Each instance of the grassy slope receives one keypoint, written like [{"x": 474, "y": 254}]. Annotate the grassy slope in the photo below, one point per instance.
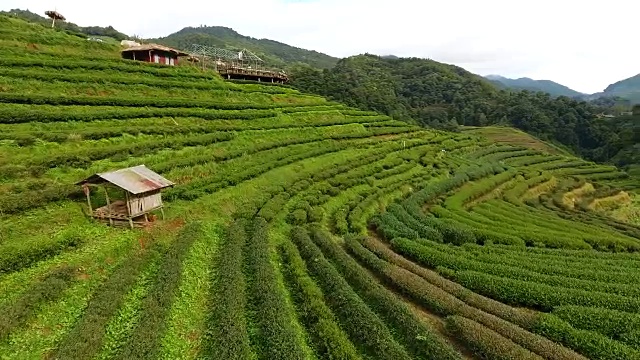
[
  {"x": 515, "y": 137},
  {"x": 214, "y": 280}
]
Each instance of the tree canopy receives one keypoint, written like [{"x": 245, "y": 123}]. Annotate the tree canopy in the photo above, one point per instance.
[{"x": 438, "y": 95}]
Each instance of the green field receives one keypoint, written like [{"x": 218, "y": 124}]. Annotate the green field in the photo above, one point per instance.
[{"x": 298, "y": 228}]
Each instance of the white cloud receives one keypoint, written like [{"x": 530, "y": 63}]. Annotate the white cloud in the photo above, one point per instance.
[{"x": 584, "y": 45}]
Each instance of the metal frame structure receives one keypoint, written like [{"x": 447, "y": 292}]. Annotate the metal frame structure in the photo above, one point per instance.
[
  {"x": 243, "y": 64},
  {"x": 243, "y": 58}
]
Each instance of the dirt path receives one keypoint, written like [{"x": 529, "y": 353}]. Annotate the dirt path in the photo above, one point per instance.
[{"x": 436, "y": 323}]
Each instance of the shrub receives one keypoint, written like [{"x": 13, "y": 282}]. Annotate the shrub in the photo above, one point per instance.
[
  {"x": 17, "y": 256},
  {"x": 327, "y": 338},
  {"x": 145, "y": 338},
  {"x": 589, "y": 343},
  {"x": 227, "y": 336},
  {"x": 46, "y": 290},
  {"x": 85, "y": 338},
  {"x": 275, "y": 337},
  {"x": 485, "y": 342},
  {"x": 618, "y": 325},
  {"x": 541, "y": 296},
  {"x": 441, "y": 302},
  {"x": 297, "y": 217},
  {"x": 408, "y": 327},
  {"x": 368, "y": 333}
]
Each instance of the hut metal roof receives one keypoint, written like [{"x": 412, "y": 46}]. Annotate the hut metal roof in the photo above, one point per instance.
[
  {"x": 136, "y": 180},
  {"x": 147, "y": 47}
]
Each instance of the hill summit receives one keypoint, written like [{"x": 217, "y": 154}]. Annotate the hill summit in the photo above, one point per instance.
[{"x": 273, "y": 52}]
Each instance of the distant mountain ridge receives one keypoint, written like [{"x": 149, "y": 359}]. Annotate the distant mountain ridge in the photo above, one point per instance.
[
  {"x": 548, "y": 86},
  {"x": 273, "y": 52},
  {"x": 628, "y": 89}
]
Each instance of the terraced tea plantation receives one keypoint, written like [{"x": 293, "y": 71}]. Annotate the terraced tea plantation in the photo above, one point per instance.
[{"x": 298, "y": 228}]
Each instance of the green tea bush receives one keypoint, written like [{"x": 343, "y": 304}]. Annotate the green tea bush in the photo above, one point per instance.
[
  {"x": 227, "y": 336},
  {"x": 85, "y": 338},
  {"x": 328, "y": 339},
  {"x": 406, "y": 324},
  {"x": 147, "y": 335},
  {"x": 368, "y": 333},
  {"x": 45, "y": 113},
  {"x": 588, "y": 343},
  {"x": 275, "y": 337},
  {"x": 618, "y": 325},
  {"x": 34, "y": 99},
  {"x": 441, "y": 302},
  {"x": 541, "y": 296},
  {"x": 485, "y": 342},
  {"x": 46, "y": 290},
  {"x": 18, "y": 256}
]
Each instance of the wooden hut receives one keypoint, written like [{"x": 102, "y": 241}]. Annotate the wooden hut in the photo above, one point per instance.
[
  {"x": 154, "y": 53},
  {"x": 141, "y": 188}
]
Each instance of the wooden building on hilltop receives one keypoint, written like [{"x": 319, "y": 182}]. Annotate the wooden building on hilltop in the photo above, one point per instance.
[
  {"x": 141, "y": 188},
  {"x": 153, "y": 53}
]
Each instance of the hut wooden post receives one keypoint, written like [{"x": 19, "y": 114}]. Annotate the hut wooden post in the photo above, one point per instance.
[
  {"x": 162, "y": 211},
  {"x": 86, "y": 190},
  {"x": 106, "y": 195},
  {"x": 126, "y": 196}
]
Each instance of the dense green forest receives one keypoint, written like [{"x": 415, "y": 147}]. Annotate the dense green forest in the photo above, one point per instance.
[
  {"x": 68, "y": 26},
  {"x": 446, "y": 96},
  {"x": 273, "y": 52}
]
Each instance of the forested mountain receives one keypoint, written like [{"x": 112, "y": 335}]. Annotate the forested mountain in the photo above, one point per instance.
[
  {"x": 445, "y": 96},
  {"x": 273, "y": 52},
  {"x": 548, "y": 86},
  {"x": 627, "y": 88},
  {"x": 64, "y": 25}
]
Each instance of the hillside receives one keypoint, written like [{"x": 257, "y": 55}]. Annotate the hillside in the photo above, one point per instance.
[
  {"x": 628, "y": 89},
  {"x": 66, "y": 25},
  {"x": 273, "y": 52},
  {"x": 514, "y": 137},
  {"x": 297, "y": 228},
  {"x": 445, "y": 96},
  {"x": 547, "y": 86}
]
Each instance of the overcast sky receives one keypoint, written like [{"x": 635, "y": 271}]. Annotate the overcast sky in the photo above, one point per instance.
[{"x": 585, "y": 45}]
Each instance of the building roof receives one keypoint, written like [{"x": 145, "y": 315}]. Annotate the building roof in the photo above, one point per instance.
[
  {"x": 136, "y": 180},
  {"x": 147, "y": 47}
]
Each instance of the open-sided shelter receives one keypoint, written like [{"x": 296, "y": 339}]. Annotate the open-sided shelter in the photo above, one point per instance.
[
  {"x": 54, "y": 15},
  {"x": 141, "y": 188},
  {"x": 154, "y": 53}
]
